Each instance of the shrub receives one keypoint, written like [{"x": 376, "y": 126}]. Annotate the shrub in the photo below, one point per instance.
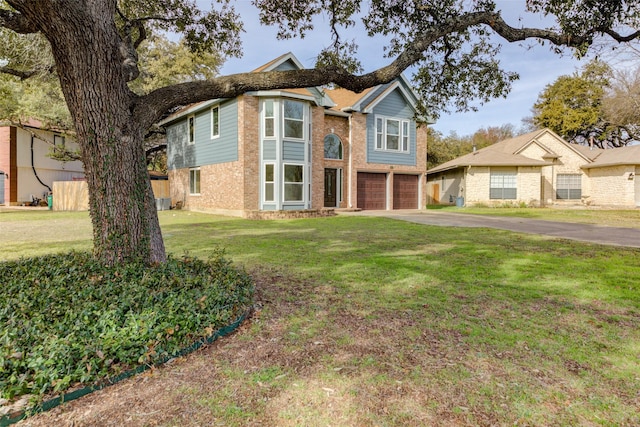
[{"x": 69, "y": 320}]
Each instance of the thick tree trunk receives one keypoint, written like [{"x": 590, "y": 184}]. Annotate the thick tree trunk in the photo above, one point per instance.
[{"x": 121, "y": 203}]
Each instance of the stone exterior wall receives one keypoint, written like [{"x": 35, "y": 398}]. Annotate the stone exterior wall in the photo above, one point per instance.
[
  {"x": 477, "y": 185},
  {"x": 529, "y": 186},
  {"x": 612, "y": 187}
]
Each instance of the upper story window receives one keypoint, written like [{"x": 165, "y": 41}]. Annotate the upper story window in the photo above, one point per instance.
[
  {"x": 269, "y": 119},
  {"x": 191, "y": 123},
  {"x": 215, "y": 121},
  {"x": 58, "y": 141},
  {"x": 392, "y": 134},
  {"x": 293, "y": 119},
  {"x": 332, "y": 147}
]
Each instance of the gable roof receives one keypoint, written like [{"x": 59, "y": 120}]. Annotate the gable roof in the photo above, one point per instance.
[
  {"x": 503, "y": 153},
  {"x": 629, "y": 155}
]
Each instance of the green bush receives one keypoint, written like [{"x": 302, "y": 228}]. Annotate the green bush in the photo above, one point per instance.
[{"x": 69, "y": 320}]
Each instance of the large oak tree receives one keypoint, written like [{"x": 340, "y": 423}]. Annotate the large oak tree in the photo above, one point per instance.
[{"x": 94, "y": 42}]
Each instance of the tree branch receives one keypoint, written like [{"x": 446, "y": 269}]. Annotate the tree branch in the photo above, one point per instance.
[
  {"x": 22, "y": 75},
  {"x": 151, "y": 107},
  {"x": 16, "y": 22}
]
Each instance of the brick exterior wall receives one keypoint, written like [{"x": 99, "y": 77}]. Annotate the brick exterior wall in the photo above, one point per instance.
[
  {"x": 340, "y": 127},
  {"x": 249, "y": 150},
  {"x": 360, "y": 164},
  {"x": 317, "y": 157}
]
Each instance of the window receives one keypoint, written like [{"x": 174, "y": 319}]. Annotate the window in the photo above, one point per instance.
[
  {"x": 293, "y": 183},
  {"x": 392, "y": 134},
  {"x": 194, "y": 181},
  {"x": 293, "y": 119},
  {"x": 215, "y": 122},
  {"x": 58, "y": 141},
  {"x": 269, "y": 183},
  {"x": 569, "y": 186},
  {"x": 269, "y": 119},
  {"x": 191, "y": 123},
  {"x": 503, "y": 185},
  {"x": 332, "y": 147}
]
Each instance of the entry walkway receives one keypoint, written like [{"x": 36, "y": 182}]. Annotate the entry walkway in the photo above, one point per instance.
[{"x": 616, "y": 236}]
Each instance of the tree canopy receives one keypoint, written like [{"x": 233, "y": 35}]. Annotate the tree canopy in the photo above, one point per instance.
[
  {"x": 590, "y": 107},
  {"x": 95, "y": 47}
]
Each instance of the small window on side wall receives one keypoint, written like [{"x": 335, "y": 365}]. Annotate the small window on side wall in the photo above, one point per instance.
[
  {"x": 191, "y": 124},
  {"x": 332, "y": 147},
  {"x": 58, "y": 141},
  {"x": 194, "y": 181},
  {"x": 215, "y": 122}
]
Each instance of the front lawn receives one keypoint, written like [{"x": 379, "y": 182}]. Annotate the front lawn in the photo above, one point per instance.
[{"x": 370, "y": 321}]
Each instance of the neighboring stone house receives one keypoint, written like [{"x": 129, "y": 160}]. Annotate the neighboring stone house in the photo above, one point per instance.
[
  {"x": 26, "y": 172},
  {"x": 266, "y": 152},
  {"x": 538, "y": 169}
]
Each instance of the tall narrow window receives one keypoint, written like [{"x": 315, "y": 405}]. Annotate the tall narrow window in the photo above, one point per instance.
[
  {"x": 269, "y": 119},
  {"x": 269, "y": 183},
  {"x": 215, "y": 122},
  {"x": 194, "y": 181},
  {"x": 379, "y": 134},
  {"x": 191, "y": 123},
  {"x": 293, "y": 119},
  {"x": 405, "y": 136},
  {"x": 293, "y": 183}
]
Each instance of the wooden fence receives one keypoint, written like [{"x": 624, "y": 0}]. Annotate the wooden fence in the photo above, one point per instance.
[{"x": 74, "y": 195}]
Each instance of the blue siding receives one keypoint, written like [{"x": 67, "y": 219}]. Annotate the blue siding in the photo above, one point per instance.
[
  {"x": 205, "y": 150},
  {"x": 293, "y": 151},
  {"x": 393, "y": 106},
  {"x": 269, "y": 150}
]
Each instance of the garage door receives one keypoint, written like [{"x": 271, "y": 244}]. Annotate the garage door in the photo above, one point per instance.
[
  {"x": 405, "y": 191},
  {"x": 372, "y": 191}
]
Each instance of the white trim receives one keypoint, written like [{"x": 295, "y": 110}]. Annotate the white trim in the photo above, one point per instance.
[
  {"x": 199, "y": 181},
  {"x": 215, "y": 107},
  {"x": 190, "y": 111},
  {"x": 282, "y": 94},
  {"x": 191, "y": 137},
  {"x": 303, "y": 183},
  {"x": 401, "y": 122}
]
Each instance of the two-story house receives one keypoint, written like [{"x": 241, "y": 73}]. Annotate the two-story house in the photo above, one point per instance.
[{"x": 305, "y": 149}]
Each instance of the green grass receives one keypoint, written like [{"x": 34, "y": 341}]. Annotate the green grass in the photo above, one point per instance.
[{"x": 371, "y": 321}]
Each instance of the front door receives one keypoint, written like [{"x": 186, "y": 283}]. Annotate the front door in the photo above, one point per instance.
[{"x": 330, "y": 187}]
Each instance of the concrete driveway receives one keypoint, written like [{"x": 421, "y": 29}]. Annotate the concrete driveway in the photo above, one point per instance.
[{"x": 615, "y": 236}]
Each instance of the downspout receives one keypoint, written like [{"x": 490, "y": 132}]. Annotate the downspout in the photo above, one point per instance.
[
  {"x": 350, "y": 159},
  {"x": 33, "y": 166}
]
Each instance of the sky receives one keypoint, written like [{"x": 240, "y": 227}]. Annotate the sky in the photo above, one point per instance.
[{"x": 536, "y": 65}]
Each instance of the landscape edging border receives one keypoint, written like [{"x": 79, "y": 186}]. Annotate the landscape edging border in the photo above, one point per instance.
[{"x": 76, "y": 394}]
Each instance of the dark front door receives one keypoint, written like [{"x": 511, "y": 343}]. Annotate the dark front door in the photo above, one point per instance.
[{"x": 330, "y": 187}]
